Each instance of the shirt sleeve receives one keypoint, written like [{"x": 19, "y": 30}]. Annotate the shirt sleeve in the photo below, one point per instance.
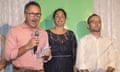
[
  {"x": 46, "y": 41},
  {"x": 11, "y": 49},
  {"x": 80, "y": 60},
  {"x": 46, "y": 47}
]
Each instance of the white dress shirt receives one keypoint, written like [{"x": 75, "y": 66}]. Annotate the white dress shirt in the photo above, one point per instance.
[{"x": 95, "y": 54}]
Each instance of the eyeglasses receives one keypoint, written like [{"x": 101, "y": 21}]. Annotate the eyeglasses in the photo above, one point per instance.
[
  {"x": 95, "y": 22},
  {"x": 34, "y": 14}
]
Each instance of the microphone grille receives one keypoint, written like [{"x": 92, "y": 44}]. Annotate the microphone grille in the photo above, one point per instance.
[{"x": 36, "y": 33}]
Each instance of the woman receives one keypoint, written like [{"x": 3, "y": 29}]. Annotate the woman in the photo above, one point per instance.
[
  {"x": 2, "y": 59},
  {"x": 63, "y": 45}
]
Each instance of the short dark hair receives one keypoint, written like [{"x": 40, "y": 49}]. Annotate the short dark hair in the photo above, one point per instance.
[
  {"x": 29, "y": 4},
  {"x": 59, "y": 9},
  {"x": 88, "y": 21}
]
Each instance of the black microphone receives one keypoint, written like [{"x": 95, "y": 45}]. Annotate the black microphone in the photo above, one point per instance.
[{"x": 35, "y": 47}]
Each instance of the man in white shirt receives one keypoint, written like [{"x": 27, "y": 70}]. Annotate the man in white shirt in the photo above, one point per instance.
[{"x": 95, "y": 53}]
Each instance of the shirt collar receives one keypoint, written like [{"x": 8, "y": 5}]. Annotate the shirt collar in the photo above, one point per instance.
[
  {"x": 25, "y": 26},
  {"x": 92, "y": 36}
]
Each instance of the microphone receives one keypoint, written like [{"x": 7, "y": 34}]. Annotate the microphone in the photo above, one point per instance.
[{"x": 35, "y": 47}]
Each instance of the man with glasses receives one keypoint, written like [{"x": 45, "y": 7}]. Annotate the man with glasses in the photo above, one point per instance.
[
  {"x": 25, "y": 42},
  {"x": 95, "y": 52}
]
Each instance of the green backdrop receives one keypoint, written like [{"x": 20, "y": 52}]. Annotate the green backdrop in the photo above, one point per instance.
[{"x": 77, "y": 14}]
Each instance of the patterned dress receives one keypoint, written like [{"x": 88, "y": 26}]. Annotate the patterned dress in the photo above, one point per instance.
[{"x": 63, "y": 48}]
